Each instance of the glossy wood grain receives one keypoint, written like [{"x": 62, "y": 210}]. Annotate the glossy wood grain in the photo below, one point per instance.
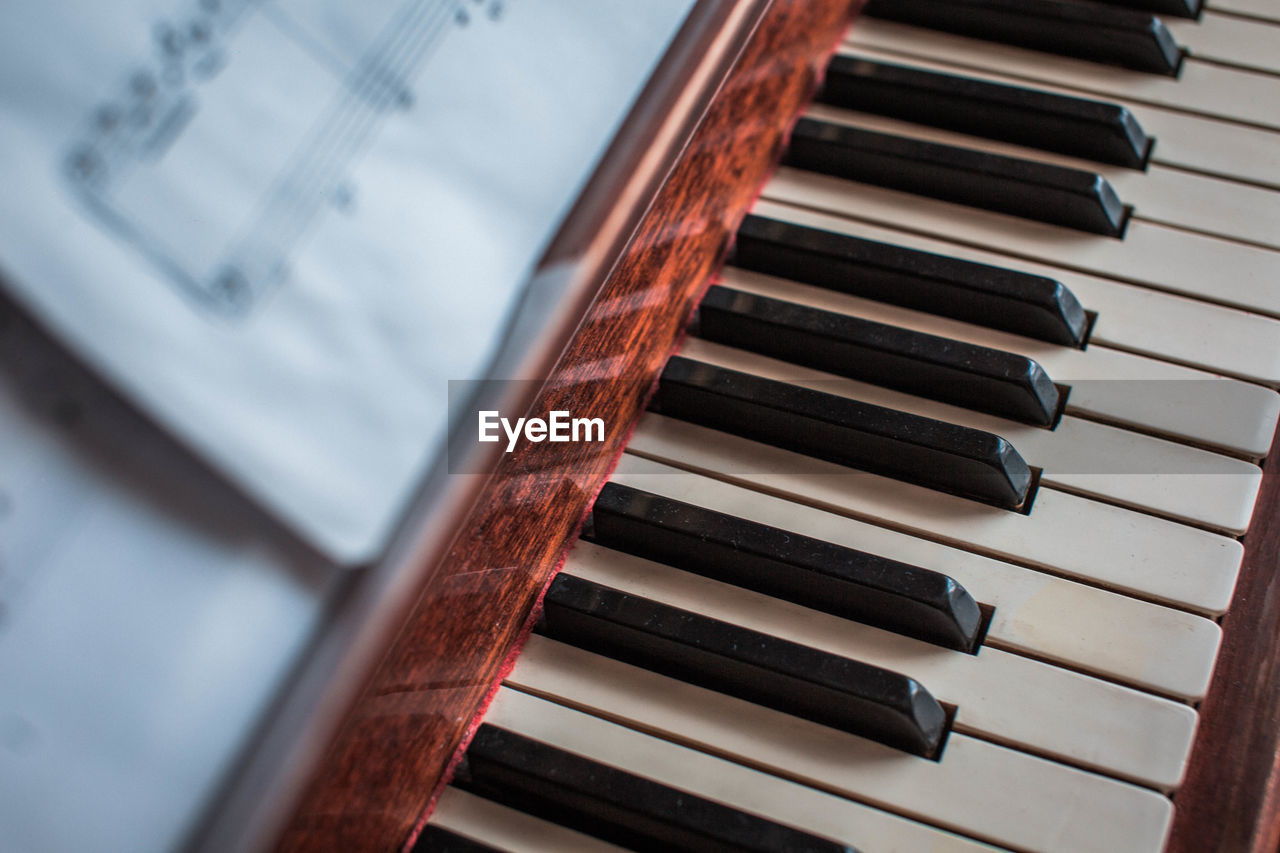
[
  {"x": 393, "y": 749},
  {"x": 1229, "y": 801}
]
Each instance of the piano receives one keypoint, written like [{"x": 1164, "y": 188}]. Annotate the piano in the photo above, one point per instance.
[{"x": 937, "y": 357}]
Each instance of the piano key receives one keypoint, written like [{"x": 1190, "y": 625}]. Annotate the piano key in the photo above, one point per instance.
[
  {"x": 980, "y": 466},
  {"x": 1137, "y": 319},
  {"x": 1111, "y": 546},
  {"x": 492, "y": 826},
  {"x": 665, "y": 762},
  {"x": 1203, "y": 88},
  {"x": 1261, "y": 9},
  {"x": 1073, "y": 198},
  {"x": 1150, "y": 254},
  {"x": 1027, "y": 304},
  {"x": 1046, "y": 617},
  {"x": 1230, "y": 40},
  {"x": 1193, "y": 142},
  {"x": 594, "y": 798},
  {"x": 852, "y": 584},
  {"x": 1162, "y": 195},
  {"x": 979, "y": 378},
  {"x": 1179, "y": 8},
  {"x": 1003, "y": 697},
  {"x": 991, "y": 792},
  {"x": 1139, "y": 471},
  {"x": 839, "y": 692},
  {"x": 1090, "y": 129},
  {"x": 1105, "y": 384},
  {"x": 1095, "y": 33}
]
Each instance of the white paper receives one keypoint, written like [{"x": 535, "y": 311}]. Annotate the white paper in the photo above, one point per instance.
[
  {"x": 146, "y": 622},
  {"x": 283, "y": 227}
]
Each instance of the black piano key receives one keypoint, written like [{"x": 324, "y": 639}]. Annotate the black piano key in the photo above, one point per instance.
[
  {"x": 1092, "y": 31},
  {"x": 605, "y": 802},
  {"x": 1093, "y": 130},
  {"x": 1073, "y": 198},
  {"x": 828, "y": 689},
  {"x": 980, "y": 378},
  {"x": 1018, "y": 302},
  {"x": 436, "y": 840},
  {"x": 1176, "y": 8},
  {"x": 955, "y": 459},
  {"x": 852, "y": 584}
]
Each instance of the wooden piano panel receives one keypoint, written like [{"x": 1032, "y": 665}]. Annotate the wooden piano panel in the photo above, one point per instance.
[
  {"x": 391, "y": 753},
  {"x": 1229, "y": 799}
]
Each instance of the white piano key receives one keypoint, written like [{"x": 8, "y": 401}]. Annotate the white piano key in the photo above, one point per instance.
[
  {"x": 869, "y": 829},
  {"x": 1214, "y": 147},
  {"x": 1264, "y": 9},
  {"x": 1169, "y": 327},
  {"x": 992, "y": 792},
  {"x": 1110, "y": 385},
  {"x": 1201, "y": 87},
  {"x": 1150, "y": 254},
  {"x": 1183, "y": 140},
  {"x": 1108, "y": 545},
  {"x": 1147, "y": 473},
  {"x": 1047, "y": 617},
  {"x": 999, "y": 696},
  {"x": 1228, "y": 39},
  {"x": 1160, "y": 194},
  {"x": 497, "y": 826}
]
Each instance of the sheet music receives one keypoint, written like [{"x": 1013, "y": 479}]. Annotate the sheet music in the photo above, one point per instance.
[
  {"x": 282, "y": 227},
  {"x": 279, "y": 228},
  {"x": 146, "y": 620}
]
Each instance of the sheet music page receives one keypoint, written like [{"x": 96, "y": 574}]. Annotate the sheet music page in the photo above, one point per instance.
[
  {"x": 146, "y": 618},
  {"x": 281, "y": 227}
]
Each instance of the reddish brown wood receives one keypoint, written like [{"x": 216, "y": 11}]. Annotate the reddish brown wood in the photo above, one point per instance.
[
  {"x": 394, "y": 746},
  {"x": 1229, "y": 799}
]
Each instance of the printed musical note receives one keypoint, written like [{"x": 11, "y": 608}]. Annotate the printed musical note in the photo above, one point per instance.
[{"x": 343, "y": 80}]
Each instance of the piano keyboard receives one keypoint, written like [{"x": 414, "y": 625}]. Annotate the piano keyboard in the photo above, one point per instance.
[{"x": 921, "y": 543}]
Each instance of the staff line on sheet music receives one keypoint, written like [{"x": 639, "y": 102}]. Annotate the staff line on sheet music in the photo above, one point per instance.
[{"x": 405, "y": 42}]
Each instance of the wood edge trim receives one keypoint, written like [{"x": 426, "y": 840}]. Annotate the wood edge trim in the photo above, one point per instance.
[{"x": 1229, "y": 800}]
